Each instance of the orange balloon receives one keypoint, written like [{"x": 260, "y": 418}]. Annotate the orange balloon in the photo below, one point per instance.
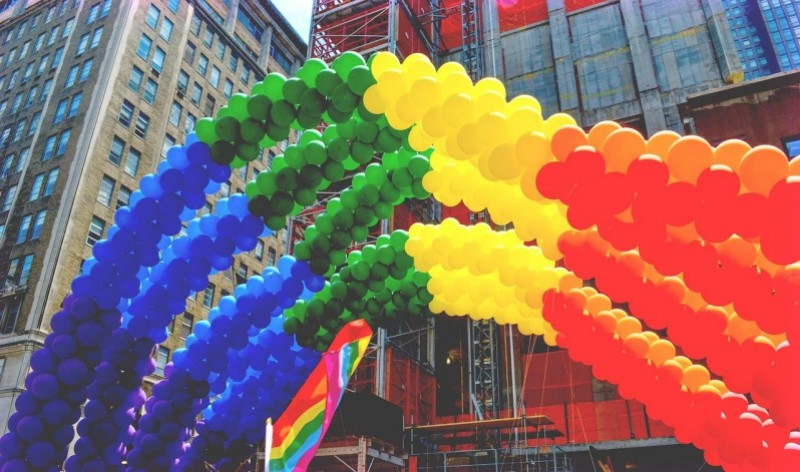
[
  {"x": 730, "y": 153},
  {"x": 661, "y": 351},
  {"x": 637, "y": 344},
  {"x": 741, "y": 329},
  {"x": 794, "y": 167},
  {"x": 627, "y": 326},
  {"x": 651, "y": 336},
  {"x": 660, "y": 143},
  {"x": 565, "y": 140},
  {"x": 708, "y": 388},
  {"x": 597, "y": 303},
  {"x": 528, "y": 185},
  {"x": 762, "y": 167},
  {"x": 684, "y": 234},
  {"x": 695, "y": 376},
  {"x": 688, "y": 157},
  {"x": 683, "y": 361},
  {"x": 622, "y": 147},
  {"x": 600, "y": 131},
  {"x": 671, "y": 369},
  {"x": 737, "y": 251},
  {"x": 763, "y": 262},
  {"x": 618, "y": 313},
  {"x": 569, "y": 282},
  {"x": 606, "y": 322},
  {"x": 673, "y": 286},
  {"x": 720, "y": 386}
]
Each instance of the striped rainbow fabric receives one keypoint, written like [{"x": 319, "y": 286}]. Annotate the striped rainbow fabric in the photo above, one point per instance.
[{"x": 299, "y": 431}]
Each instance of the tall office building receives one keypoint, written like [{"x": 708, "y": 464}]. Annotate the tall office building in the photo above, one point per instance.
[
  {"x": 92, "y": 94},
  {"x": 766, "y": 34}
]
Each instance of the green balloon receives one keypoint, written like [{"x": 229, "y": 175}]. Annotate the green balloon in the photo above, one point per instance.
[
  {"x": 310, "y": 176},
  {"x": 361, "y": 152},
  {"x": 386, "y": 141},
  {"x": 251, "y": 189},
  {"x": 369, "y": 254},
  {"x": 266, "y": 142},
  {"x": 367, "y": 132},
  {"x": 402, "y": 179},
  {"x": 248, "y": 152},
  {"x": 275, "y": 222},
  {"x": 338, "y": 256},
  {"x": 349, "y": 199},
  {"x": 315, "y": 152},
  {"x": 291, "y": 325},
  {"x": 273, "y": 86},
  {"x": 324, "y": 224},
  {"x": 347, "y": 130},
  {"x": 360, "y": 79},
  {"x": 418, "y": 190},
  {"x": 359, "y": 233},
  {"x": 353, "y": 257},
  {"x": 302, "y": 250},
  {"x": 227, "y": 128},
  {"x": 343, "y": 219},
  {"x": 333, "y": 206},
  {"x": 237, "y": 104},
  {"x": 319, "y": 265},
  {"x": 313, "y": 102},
  {"x": 294, "y": 157},
  {"x": 258, "y": 107},
  {"x": 343, "y": 99},
  {"x": 278, "y": 163},
  {"x": 346, "y": 62},
  {"x": 403, "y": 261},
  {"x": 398, "y": 240},
  {"x": 206, "y": 130},
  {"x": 308, "y": 136},
  {"x": 327, "y": 81},
  {"x": 282, "y": 113},
  {"x": 418, "y": 166},
  {"x": 379, "y": 272},
  {"x": 310, "y": 70},
  {"x": 223, "y": 152},
  {"x": 293, "y": 89},
  {"x": 424, "y": 296},
  {"x": 359, "y": 180},
  {"x": 251, "y": 131},
  {"x": 340, "y": 239},
  {"x": 360, "y": 271},
  {"x": 373, "y": 307},
  {"x": 338, "y": 149},
  {"x": 282, "y": 203},
  {"x": 337, "y": 116},
  {"x": 389, "y": 193},
  {"x": 384, "y": 210},
  {"x": 386, "y": 255},
  {"x": 277, "y": 132},
  {"x": 320, "y": 246},
  {"x": 333, "y": 171},
  {"x": 286, "y": 179},
  {"x": 375, "y": 174},
  {"x": 383, "y": 296},
  {"x": 305, "y": 196},
  {"x": 397, "y": 272},
  {"x": 306, "y": 121},
  {"x": 339, "y": 290},
  {"x": 363, "y": 216},
  {"x": 364, "y": 114},
  {"x": 369, "y": 195}
]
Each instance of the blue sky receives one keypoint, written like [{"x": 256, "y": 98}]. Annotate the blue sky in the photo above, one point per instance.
[{"x": 298, "y": 12}]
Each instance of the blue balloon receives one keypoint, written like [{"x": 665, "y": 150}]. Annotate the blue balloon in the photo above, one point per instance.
[
  {"x": 150, "y": 186},
  {"x": 176, "y": 156},
  {"x": 40, "y": 454},
  {"x": 30, "y": 428}
]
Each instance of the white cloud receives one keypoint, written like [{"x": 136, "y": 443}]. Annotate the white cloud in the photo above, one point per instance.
[{"x": 298, "y": 12}]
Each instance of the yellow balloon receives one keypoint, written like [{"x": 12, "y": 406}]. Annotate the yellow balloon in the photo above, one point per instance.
[
  {"x": 457, "y": 110},
  {"x": 382, "y": 62},
  {"x": 554, "y": 122},
  {"x": 491, "y": 84},
  {"x": 374, "y": 101},
  {"x": 419, "y": 140},
  {"x": 455, "y": 83},
  {"x": 489, "y": 101},
  {"x": 503, "y": 163},
  {"x": 533, "y": 150},
  {"x": 425, "y": 92},
  {"x": 525, "y": 120},
  {"x": 524, "y": 101}
]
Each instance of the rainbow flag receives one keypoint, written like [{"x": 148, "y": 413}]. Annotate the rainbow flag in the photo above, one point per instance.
[{"x": 299, "y": 431}]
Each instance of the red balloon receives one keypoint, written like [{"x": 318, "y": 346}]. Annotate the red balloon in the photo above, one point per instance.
[
  {"x": 585, "y": 166},
  {"x": 648, "y": 173},
  {"x": 752, "y": 216},
  {"x": 682, "y": 201},
  {"x": 718, "y": 183},
  {"x": 554, "y": 182}
]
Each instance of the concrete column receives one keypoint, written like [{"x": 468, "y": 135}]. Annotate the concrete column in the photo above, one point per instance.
[
  {"x": 721, "y": 38},
  {"x": 230, "y": 18},
  {"x": 643, "y": 68},
  {"x": 266, "y": 43},
  {"x": 562, "y": 58}
]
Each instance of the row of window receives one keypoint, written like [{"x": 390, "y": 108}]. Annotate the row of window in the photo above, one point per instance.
[
  {"x": 28, "y": 72},
  {"x": 29, "y": 98},
  {"x": 79, "y": 73},
  {"x": 19, "y": 269},
  {"x": 216, "y": 74},
  {"x": 135, "y": 82},
  {"x": 106, "y": 192},
  {"x": 32, "y": 23},
  {"x": 67, "y": 107},
  {"x": 43, "y": 181},
  {"x": 151, "y": 20},
  {"x": 131, "y": 165},
  {"x": 8, "y": 163},
  {"x": 37, "y": 45},
  {"x": 175, "y": 114},
  {"x": 126, "y": 118},
  {"x": 30, "y": 228},
  {"x": 143, "y": 51},
  {"x": 19, "y": 129},
  {"x": 89, "y": 41}
]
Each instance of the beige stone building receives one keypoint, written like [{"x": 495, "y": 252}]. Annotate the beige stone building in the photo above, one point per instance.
[{"x": 92, "y": 94}]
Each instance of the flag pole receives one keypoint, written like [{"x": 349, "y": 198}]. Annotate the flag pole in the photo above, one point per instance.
[{"x": 267, "y": 444}]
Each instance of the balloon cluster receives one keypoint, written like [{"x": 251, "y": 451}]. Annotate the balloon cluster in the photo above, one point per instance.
[
  {"x": 737, "y": 435},
  {"x": 377, "y": 284},
  {"x": 373, "y": 195}
]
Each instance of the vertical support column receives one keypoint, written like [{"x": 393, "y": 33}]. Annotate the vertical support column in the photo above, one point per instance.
[
  {"x": 380, "y": 364},
  {"x": 394, "y": 26},
  {"x": 562, "y": 58},
  {"x": 643, "y": 68},
  {"x": 492, "y": 46},
  {"x": 266, "y": 44},
  {"x": 230, "y": 18},
  {"x": 721, "y": 38},
  {"x": 362, "y": 455}
]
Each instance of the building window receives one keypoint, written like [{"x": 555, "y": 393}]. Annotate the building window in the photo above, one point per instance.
[
  {"x": 202, "y": 65},
  {"x": 197, "y": 94},
  {"x": 106, "y": 190},
  {"x": 191, "y": 121},
  {"x": 34, "y": 123},
  {"x": 166, "y": 29},
  {"x": 271, "y": 256},
  {"x": 211, "y": 103},
  {"x": 96, "y": 229},
  {"x": 150, "y": 90},
  {"x": 123, "y": 196},
  {"x": 24, "y": 228},
  {"x": 162, "y": 357},
  {"x": 245, "y": 75},
  {"x": 27, "y": 262},
  {"x": 61, "y": 110},
  {"x": 23, "y": 159},
  {"x": 46, "y": 86},
  {"x": 93, "y": 11},
  {"x": 183, "y": 81},
  {"x": 233, "y": 62},
  {"x": 195, "y": 25},
  {"x": 169, "y": 141},
  {"x": 208, "y": 296},
  {"x": 74, "y": 104},
  {"x": 50, "y": 185},
  {"x": 98, "y": 33},
  {"x": 215, "y": 76},
  {"x": 117, "y": 148},
  {"x": 187, "y": 323},
  {"x": 143, "y": 50},
  {"x": 57, "y": 58},
  {"x": 49, "y": 148},
  {"x": 9, "y": 318},
  {"x": 158, "y": 59},
  {"x": 63, "y": 141},
  {"x": 152, "y": 16},
  {"x": 126, "y": 113},
  {"x": 85, "y": 69},
  {"x": 241, "y": 274},
  {"x": 72, "y": 76},
  {"x": 9, "y": 198},
  {"x": 132, "y": 162},
  {"x": 106, "y": 8},
  {"x": 188, "y": 53},
  {"x": 260, "y": 250},
  {"x": 51, "y": 38},
  {"x": 42, "y": 65},
  {"x": 175, "y": 112},
  {"x": 83, "y": 44},
  {"x": 220, "y": 51},
  {"x": 208, "y": 38},
  {"x": 173, "y": 5},
  {"x": 38, "y": 224},
  {"x": 36, "y": 188},
  {"x": 227, "y": 90}
]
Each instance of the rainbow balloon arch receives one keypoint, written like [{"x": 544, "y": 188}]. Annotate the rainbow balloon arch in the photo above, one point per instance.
[{"x": 617, "y": 240}]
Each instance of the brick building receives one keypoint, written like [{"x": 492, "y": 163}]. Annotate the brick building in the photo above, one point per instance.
[{"x": 92, "y": 94}]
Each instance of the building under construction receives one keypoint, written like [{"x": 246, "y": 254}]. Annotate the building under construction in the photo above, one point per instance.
[{"x": 474, "y": 396}]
